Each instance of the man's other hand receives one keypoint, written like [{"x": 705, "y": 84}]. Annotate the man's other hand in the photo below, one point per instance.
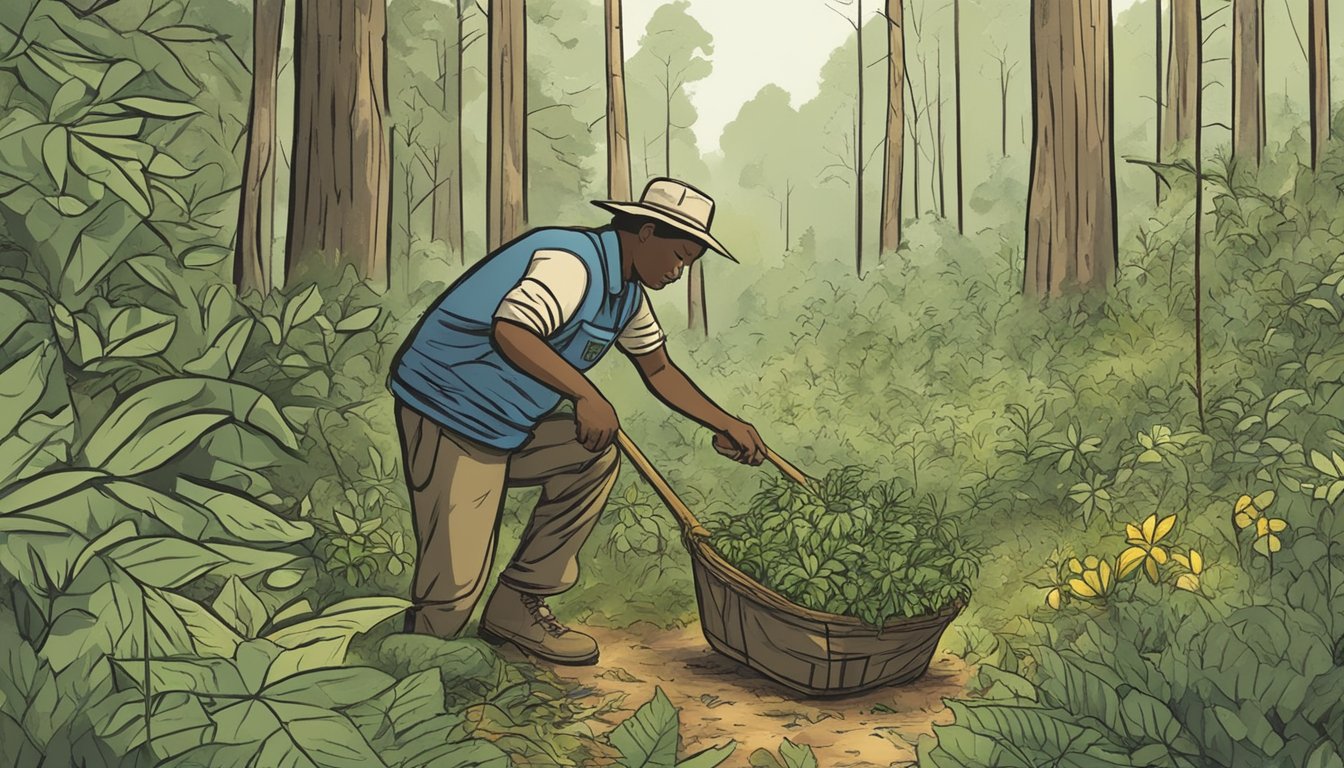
[
  {"x": 597, "y": 423},
  {"x": 740, "y": 442}
]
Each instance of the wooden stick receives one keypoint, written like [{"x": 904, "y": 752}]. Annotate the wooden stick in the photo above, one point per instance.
[
  {"x": 787, "y": 468},
  {"x": 689, "y": 525}
]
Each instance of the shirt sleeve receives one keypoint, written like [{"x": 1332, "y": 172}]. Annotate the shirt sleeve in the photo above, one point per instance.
[
  {"x": 548, "y": 295},
  {"x": 642, "y": 334}
]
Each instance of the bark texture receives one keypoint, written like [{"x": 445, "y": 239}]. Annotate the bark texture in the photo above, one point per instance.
[
  {"x": 1071, "y": 231},
  {"x": 340, "y": 194},
  {"x": 256, "y": 209},
  {"x": 894, "y": 161},
  {"x": 1320, "y": 79},
  {"x": 1248, "y": 80},
  {"x": 1182, "y": 77},
  {"x": 618, "y": 132},
  {"x": 507, "y": 182}
]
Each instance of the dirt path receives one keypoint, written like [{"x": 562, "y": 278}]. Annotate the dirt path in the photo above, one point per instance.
[{"x": 721, "y": 700}]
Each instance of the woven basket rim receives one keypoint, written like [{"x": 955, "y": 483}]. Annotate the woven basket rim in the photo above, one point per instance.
[{"x": 703, "y": 551}]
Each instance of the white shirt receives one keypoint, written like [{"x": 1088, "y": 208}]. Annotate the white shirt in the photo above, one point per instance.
[{"x": 550, "y": 293}]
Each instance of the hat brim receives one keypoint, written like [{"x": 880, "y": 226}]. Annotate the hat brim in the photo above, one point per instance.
[{"x": 695, "y": 233}]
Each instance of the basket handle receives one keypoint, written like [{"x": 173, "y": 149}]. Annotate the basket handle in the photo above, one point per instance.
[{"x": 690, "y": 527}]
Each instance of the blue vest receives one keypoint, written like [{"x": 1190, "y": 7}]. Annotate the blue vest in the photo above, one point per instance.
[{"x": 451, "y": 372}]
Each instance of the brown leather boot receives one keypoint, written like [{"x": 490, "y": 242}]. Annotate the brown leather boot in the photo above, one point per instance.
[{"x": 523, "y": 619}]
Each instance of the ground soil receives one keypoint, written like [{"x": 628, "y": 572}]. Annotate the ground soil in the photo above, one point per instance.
[{"x": 721, "y": 700}]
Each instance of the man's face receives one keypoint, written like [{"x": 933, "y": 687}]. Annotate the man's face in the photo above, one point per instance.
[{"x": 660, "y": 261}]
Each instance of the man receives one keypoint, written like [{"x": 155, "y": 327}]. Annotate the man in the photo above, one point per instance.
[{"x": 477, "y": 385}]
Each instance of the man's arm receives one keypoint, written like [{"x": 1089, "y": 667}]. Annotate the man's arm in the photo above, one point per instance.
[
  {"x": 734, "y": 438},
  {"x": 596, "y": 419}
]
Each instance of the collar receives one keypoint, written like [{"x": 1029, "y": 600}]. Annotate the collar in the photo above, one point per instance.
[{"x": 609, "y": 242}]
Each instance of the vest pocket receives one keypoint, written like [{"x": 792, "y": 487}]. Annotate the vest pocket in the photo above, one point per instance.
[{"x": 587, "y": 345}]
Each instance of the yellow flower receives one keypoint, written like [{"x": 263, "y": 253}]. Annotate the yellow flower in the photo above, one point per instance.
[
  {"x": 1095, "y": 580},
  {"x": 1055, "y": 598},
  {"x": 1265, "y": 541},
  {"x": 1194, "y": 563},
  {"x": 1145, "y": 550},
  {"x": 1248, "y": 509}
]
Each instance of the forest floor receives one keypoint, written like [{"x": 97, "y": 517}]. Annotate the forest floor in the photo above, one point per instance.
[{"x": 721, "y": 700}]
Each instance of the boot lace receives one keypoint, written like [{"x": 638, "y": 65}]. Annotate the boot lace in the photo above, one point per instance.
[{"x": 542, "y": 615}]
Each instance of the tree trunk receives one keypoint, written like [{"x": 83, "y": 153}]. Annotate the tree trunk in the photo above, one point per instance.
[
  {"x": 1199, "y": 214},
  {"x": 1005, "y": 75},
  {"x": 618, "y": 134},
  {"x": 914, "y": 131},
  {"x": 956, "y": 81},
  {"x": 942, "y": 169},
  {"x": 507, "y": 181},
  {"x": 894, "y": 165},
  {"x": 340, "y": 193},
  {"x": 1182, "y": 67},
  {"x": 697, "y": 314},
  {"x": 1157, "y": 96},
  {"x": 456, "y": 233},
  {"x": 858, "y": 146},
  {"x": 256, "y": 209},
  {"x": 1320, "y": 79},
  {"x": 788, "y": 212},
  {"x": 1248, "y": 77},
  {"x": 447, "y": 196},
  {"x": 1071, "y": 230},
  {"x": 667, "y": 119}
]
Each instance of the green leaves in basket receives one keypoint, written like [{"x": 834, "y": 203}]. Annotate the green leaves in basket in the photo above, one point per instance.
[
  {"x": 648, "y": 739},
  {"x": 847, "y": 546}
]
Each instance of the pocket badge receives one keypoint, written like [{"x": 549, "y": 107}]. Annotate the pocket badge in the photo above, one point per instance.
[{"x": 591, "y": 351}]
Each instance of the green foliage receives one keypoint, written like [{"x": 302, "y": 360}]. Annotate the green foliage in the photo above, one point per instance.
[
  {"x": 790, "y": 756},
  {"x": 851, "y": 548},
  {"x": 648, "y": 739}
]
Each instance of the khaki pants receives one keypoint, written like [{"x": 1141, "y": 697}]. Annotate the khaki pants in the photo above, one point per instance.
[{"x": 457, "y": 491}]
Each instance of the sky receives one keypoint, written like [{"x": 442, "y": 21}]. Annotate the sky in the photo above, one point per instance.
[{"x": 802, "y": 35}]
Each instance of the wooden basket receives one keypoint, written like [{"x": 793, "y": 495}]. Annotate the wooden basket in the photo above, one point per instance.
[{"x": 812, "y": 652}]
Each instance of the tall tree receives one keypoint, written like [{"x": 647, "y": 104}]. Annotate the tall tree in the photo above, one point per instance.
[
  {"x": 1005, "y": 78},
  {"x": 1199, "y": 210},
  {"x": 1320, "y": 79},
  {"x": 673, "y": 53},
  {"x": 339, "y": 210},
  {"x": 1182, "y": 91},
  {"x": 1071, "y": 227},
  {"x": 956, "y": 79},
  {"x": 506, "y": 175},
  {"x": 894, "y": 158},
  {"x": 1157, "y": 96},
  {"x": 618, "y": 132},
  {"x": 1248, "y": 79},
  {"x": 763, "y": 156},
  {"x": 252, "y": 250},
  {"x": 447, "y": 224},
  {"x": 855, "y": 162}
]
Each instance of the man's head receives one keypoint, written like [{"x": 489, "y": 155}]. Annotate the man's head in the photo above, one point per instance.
[
  {"x": 659, "y": 252},
  {"x": 665, "y": 231}
]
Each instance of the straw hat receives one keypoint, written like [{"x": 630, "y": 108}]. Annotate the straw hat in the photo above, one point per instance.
[{"x": 678, "y": 204}]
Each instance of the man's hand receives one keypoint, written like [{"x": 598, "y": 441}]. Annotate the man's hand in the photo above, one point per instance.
[
  {"x": 597, "y": 422},
  {"x": 740, "y": 442}
]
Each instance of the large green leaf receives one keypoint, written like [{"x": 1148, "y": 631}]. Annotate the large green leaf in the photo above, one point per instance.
[
  {"x": 330, "y": 688},
  {"x": 322, "y": 641},
  {"x": 240, "y": 607},
  {"x": 295, "y": 735},
  {"x": 243, "y": 518},
  {"x": 139, "y": 332},
  {"x": 164, "y": 562},
  {"x": 220, "y": 359},
  {"x": 301, "y": 308},
  {"x": 648, "y": 738},
  {"x": 22, "y": 384},
  {"x": 152, "y": 424}
]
